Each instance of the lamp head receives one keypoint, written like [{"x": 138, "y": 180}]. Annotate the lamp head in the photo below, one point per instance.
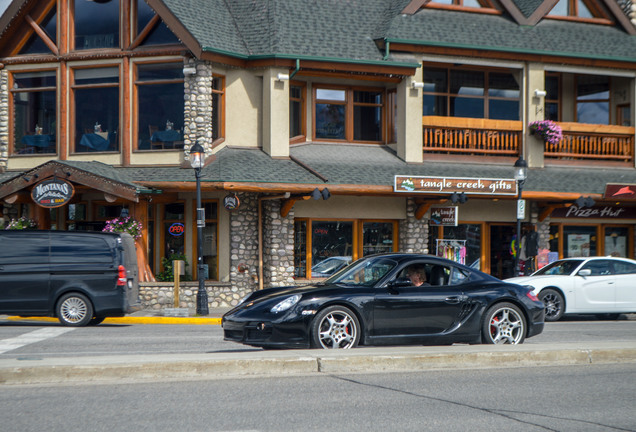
[
  {"x": 197, "y": 156},
  {"x": 521, "y": 169}
]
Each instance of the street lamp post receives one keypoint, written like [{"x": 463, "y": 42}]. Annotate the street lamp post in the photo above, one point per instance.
[
  {"x": 197, "y": 158},
  {"x": 521, "y": 173}
]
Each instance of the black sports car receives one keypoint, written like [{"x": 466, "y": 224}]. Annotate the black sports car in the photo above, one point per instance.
[{"x": 373, "y": 302}]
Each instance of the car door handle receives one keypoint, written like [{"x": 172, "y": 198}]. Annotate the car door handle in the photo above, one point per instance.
[{"x": 454, "y": 299}]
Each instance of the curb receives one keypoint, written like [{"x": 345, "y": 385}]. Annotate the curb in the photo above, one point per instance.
[
  {"x": 165, "y": 367},
  {"x": 134, "y": 320}
]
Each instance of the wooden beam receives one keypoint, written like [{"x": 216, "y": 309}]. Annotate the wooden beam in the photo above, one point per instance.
[
  {"x": 42, "y": 34},
  {"x": 286, "y": 206},
  {"x": 423, "y": 207},
  {"x": 547, "y": 211}
]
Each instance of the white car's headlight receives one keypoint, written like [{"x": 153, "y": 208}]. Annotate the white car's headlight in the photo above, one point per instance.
[{"x": 286, "y": 304}]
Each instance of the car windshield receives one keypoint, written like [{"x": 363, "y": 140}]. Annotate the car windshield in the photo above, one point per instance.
[
  {"x": 562, "y": 268},
  {"x": 329, "y": 265},
  {"x": 364, "y": 272}
]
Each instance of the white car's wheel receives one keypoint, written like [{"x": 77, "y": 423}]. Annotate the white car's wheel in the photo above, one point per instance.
[{"x": 554, "y": 304}]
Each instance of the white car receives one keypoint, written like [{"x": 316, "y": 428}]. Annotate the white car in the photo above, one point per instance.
[{"x": 605, "y": 286}]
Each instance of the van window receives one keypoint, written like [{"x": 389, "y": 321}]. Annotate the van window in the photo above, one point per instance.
[
  {"x": 21, "y": 249},
  {"x": 80, "y": 249}
]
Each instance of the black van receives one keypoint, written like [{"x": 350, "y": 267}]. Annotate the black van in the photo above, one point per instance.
[{"x": 79, "y": 277}]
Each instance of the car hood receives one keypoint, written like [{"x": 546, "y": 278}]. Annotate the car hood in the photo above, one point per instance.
[
  {"x": 535, "y": 280},
  {"x": 278, "y": 292}
]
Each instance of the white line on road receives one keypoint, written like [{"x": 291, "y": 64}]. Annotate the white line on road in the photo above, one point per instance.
[{"x": 32, "y": 337}]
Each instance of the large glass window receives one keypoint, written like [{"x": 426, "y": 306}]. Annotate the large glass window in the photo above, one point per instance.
[
  {"x": 96, "y": 24},
  {"x": 349, "y": 114},
  {"x": 592, "y": 99},
  {"x": 553, "y": 97},
  {"x": 470, "y": 233},
  {"x": 34, "y": 112},
  {"x": 96, "y": 92},
  {"x": 210, "y": 236},
  {"x": 173, "y": 230},
  {"x": 161, "y": 105},
  {"x": 35, "y": 44},
  {"x": 471, "y": 93},
  {"x": 160, "y": 34},
  {"x": 322, "y": 247},
  {"x": 579, "y": 241}
]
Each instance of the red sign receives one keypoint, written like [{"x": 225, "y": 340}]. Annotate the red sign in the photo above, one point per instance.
[
  {"x": 176, "y": 229},
  {"x": 620, "y": 191}
]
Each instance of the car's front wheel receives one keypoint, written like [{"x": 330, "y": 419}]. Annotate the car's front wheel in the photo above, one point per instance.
[
  {"x": 74, "y": 310},
  {"x": 504, "y": 323},
  {"x": 335, "y": 327},
  {"x": 554, "y": 304}
]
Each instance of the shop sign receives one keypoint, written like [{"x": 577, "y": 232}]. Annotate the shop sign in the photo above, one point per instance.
[
  {"x": 176, "y": 229},
  {"x": 444, "y": 216},
  {"x": 597, "y": 212},
  {"x": 52, "y": 193},
  {"x": 231, "y": 202},
  {"x": 620, "y": 191},
  {"x": 467, "y": 185}
]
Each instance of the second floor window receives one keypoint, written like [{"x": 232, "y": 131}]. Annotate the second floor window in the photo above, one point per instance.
[
  {"x": 349, "y": 114},
  {"x": 96, "y": 95},
  {"x": 96, "y": 24},
  {"x": 34, "y": 112},
  {"x": 592, "y": 99},
  {"x": 160, "y": 106},
  {"x": 471, "y": 93}
]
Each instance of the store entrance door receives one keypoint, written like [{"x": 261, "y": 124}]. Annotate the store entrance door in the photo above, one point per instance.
[{"x": 501, "y": 258}]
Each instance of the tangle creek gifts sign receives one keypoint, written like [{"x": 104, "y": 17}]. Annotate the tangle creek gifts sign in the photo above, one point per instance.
[
  {"x": 52, "y": 193},
  {"x": 437, "y": 185}
]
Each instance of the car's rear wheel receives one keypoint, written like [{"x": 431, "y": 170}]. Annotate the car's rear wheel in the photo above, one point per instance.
[
  {"x": 554, "y": 304},
  {"x": 74, "y": 310},
  {"x": 335, "y": 327},
  {"x": 504, "y": 323}
]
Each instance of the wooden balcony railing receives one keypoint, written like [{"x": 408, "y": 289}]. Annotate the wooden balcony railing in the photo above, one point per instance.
[
  {"x": 455, "y": 135},
  {"x": 591, "y": 141}
]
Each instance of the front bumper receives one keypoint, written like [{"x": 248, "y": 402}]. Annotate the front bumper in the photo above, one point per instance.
[{"x": 291, "y": 333}]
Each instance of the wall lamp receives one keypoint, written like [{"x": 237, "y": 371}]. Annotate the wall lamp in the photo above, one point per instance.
[
  {"x": 282, "y": 77},
  {"x": 584, "y": 202},
  {"x": 458, "y": 198},
  {"x": 189, "y": 70},
  {"x": 417, "y": 85},
  {"x": 317, "y": 194},
  {"x": 540, "y": 93}
]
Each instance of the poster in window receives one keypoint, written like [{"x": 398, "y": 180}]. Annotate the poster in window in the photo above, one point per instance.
[
  {"x": 578, "y": 245},
  {"x": 615, "y": 245}
]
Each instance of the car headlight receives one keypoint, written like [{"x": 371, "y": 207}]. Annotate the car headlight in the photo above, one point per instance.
[{"x": 286, "y": 304}]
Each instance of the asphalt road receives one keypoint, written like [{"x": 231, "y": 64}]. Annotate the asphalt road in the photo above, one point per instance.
[
  {"x": 123, "y": 339},
  {"x": 594, "y": 398}
]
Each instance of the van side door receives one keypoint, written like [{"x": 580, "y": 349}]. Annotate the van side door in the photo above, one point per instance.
[{"x": 24, "y": 272}]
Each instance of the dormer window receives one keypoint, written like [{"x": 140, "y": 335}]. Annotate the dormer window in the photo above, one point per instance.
[
  {"x": 577, "y": 9},
  {"x": 96, "y": 24}
]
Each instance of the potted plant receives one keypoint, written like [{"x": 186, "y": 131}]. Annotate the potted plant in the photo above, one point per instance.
[
  {"x": 23, "y": 223},
  {"x": 124, "y": 224},
  {"x": 549, "y": 131}
]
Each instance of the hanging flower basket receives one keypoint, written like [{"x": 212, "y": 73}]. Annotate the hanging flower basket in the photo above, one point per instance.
[
  {"x": 22, "y": 224},
  {"x": 549, "y": 131},
  {"x": 125, "y": 225}
]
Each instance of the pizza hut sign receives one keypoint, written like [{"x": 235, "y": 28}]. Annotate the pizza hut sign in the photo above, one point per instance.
[{"x": 52, "y": 193}]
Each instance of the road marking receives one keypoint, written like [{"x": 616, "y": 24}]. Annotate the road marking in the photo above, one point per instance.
[{"x": 32, "y": 337}]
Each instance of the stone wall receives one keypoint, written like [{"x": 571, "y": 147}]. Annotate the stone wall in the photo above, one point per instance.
[
  {"x": 160, "y": 295},
  {"x": 197, "y": 121},
  {"x": 413, "y": 232},
  {"x": 244, "y": 244},
  {"x": 278, "y": 245}
]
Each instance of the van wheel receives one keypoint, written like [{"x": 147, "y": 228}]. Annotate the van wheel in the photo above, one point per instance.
[
  {"x": 74, "y": 310},
  {"x": 96, "y": 320}
]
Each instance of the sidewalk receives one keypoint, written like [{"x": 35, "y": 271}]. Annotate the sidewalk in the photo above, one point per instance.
[{"x": 151, "y": 316}]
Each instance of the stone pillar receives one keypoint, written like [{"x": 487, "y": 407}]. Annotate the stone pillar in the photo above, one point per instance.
[
  {"x": 4, "y": 120},
  {"x": 244, "y": 244},
  {"x": 278, "y": 245},
  {"x": 413, "y": 232},
  {"x": 197, "y": 116}
]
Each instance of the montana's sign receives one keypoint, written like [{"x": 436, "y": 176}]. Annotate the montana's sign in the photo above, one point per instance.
[
  {"x": 52, "y": 193},
  {"x": 443, "y": 185}
]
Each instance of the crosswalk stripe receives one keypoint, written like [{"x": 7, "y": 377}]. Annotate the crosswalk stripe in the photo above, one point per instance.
[{"x": 32, "y": 337}]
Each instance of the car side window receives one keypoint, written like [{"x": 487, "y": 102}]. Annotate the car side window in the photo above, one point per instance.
[
  {"x": 459, "y": 276},
  {"x": 599, "y": 267},
  {"x": 21, "y": 249},
  {"x": 71, "y": 248},
  {"x": 624, "y": 267}
]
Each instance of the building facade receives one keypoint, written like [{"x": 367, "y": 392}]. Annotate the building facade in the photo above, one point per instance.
[{"x": 332, "y": 130}]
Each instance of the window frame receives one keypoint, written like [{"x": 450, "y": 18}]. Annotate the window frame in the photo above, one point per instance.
[
  {"x": 302, "y": 100},
  {"x": 221, "y": 109},
  {"x": 485, "y": 97},
  {"x": 194, "y": 234},
  {"x": 349, "y": 105}
]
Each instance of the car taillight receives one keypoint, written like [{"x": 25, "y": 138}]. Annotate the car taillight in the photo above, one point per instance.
[
  {"x": 121, "y": 277},
  {"x": 532, "y": 297}
]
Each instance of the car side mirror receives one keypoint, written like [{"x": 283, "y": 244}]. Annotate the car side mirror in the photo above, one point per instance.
[
  {"x": 584, "y": 272},
  {"x": 399, "y": 283}
]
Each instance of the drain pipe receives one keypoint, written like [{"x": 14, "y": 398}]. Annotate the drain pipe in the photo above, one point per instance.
[
  {"x": 387, "y": 49},
  {"x": 295, "y": 70}
]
